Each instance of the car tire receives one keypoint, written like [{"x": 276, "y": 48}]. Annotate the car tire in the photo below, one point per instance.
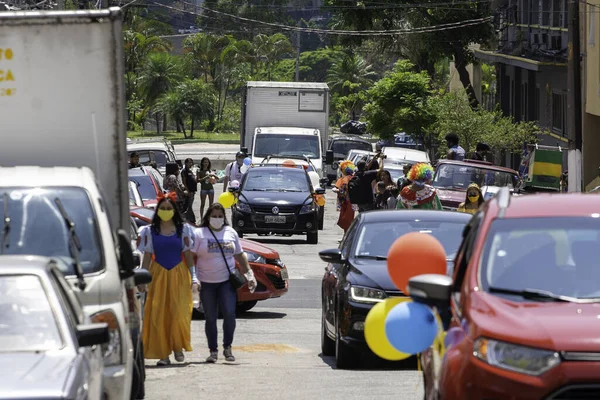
[
  {"x": 344, "y": 355},
  {"x": 327, "y": 345},
  {"x": 245, "y": 306},
  {"x": 138, "y": 386},
  {"x": 312, "y": 237},
  {"x": 321, "y": 218}
]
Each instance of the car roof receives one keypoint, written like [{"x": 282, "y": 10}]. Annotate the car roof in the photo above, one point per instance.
[
  {"x": 352, "y": 138},
  {"x": 146, "y": 146},
  {"x": 277, "y": 168},
  {"x": 24, "y": 264},
  {"x": 31, "y": 176},
  {"x": 549, "y": 205},
  {"x": 411, "y": 215},
  {"x": 468, "y": 163}
]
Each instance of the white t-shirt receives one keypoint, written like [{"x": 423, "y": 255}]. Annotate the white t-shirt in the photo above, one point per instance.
[
  {"x": 210, "y": 266},
  {"x": 233, "y": 171}
]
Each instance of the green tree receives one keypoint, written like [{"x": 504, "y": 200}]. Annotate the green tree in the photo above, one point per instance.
[
  {"x": 268, "y": 50},
  {"x": 199, "y": 100},
  {"x": 202, "y": 53},
  {"x": 315, "y": 65},
  {"x": 399, "y": 103}
]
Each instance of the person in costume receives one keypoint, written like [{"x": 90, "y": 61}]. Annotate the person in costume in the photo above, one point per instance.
[
  {"x": 218, "y": 247},
  {"x": 344, "y": 206},
  {"x": 473, "y": 200},
  {"x": 168, "y": 309},
  {"x": 419, "y": 194}
]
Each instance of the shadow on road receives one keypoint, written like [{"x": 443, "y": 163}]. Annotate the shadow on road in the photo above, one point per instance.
[
  {"x": 277, "y": 240},
  {"x": 370, "y": 363},
  {"x": 261, "y": 315},
  {"x": 174, "y": 365}
]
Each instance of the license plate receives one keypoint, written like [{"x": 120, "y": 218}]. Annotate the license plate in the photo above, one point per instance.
[
  {"x": 284, "y": 274},
  {"x": 275, "y": 219}
]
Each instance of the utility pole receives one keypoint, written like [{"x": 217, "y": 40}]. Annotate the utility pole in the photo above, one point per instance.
[
  {"x": 574, "y": 112},
  {"x": 298, "y": 54}
]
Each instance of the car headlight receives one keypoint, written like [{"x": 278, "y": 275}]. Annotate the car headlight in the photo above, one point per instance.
[
  {"x": 516, "y": 358},
  {"x": 366, "y": 295},
  {"x": 111, "y": 351},
  {"x": 245, "y": 207},
  {"x": 308, "y": 208},
  {"x": 255, "y": 257}
]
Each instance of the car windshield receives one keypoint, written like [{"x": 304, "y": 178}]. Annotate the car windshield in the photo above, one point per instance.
[
  {"x": 282, "y": 180},
  {"x": 375, "y": 239},
  {"x": 559, "y": 255},
  {"x": 160, "y": 157},
  {"x": 396, "y": 173},
  {"x": 37, "y": 227},
  {"x": 145, "y": 186},
  {"x": 286, "y": 145},
  {"x": 341, "y": 147},
  {"x": 27, "y": 323},
  {"x": 454, "y": 176}
]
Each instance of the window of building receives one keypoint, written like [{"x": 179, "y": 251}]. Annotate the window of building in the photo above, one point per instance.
[
  {"x": 557, "y": 12},
  {"x": 559, "y": 113},
  {"x": 546, "y": 12}
]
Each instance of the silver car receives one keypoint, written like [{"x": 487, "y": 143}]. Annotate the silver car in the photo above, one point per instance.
[{"x": 48, "y": 347}]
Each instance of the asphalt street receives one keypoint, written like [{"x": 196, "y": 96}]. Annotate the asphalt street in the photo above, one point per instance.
[{"x": 277, "y": 344}]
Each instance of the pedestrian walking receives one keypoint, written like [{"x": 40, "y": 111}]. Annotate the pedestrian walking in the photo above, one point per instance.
[
  {"x": 218, "y": 247},
  {"x": 168, "y": 308},
  {"x": 190, "y": 184},
  {"x": 455, "y": 152},
  {"x": 473, "y": 200},
  {"x": 207, "y": 179},
  {"x": 344, "y": 206},
  {"x": 173, "y": 183},
  {"x": 233, "y": 170}
]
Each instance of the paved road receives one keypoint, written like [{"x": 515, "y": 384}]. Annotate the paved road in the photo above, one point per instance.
[{"x": 277, "y": 344}]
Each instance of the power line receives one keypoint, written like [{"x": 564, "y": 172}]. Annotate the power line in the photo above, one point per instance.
[{"x": 393, "y": 32}]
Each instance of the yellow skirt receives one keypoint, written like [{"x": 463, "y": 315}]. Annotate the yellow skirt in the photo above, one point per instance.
[{"x": 168, "y": 312}]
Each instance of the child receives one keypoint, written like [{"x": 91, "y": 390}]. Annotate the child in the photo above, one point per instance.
[
  {"x": 393, "y": 199},
  {"x": 381, "y": 196}
]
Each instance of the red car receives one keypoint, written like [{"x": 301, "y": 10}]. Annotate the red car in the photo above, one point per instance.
[
  {"x": 270, "y": 272},
  {"x": 523, "y": 306},
  {"x": 149, "y": 183},
  {"x": 452, "y": 178}
]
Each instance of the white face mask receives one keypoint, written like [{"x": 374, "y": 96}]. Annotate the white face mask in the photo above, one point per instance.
[{"x": 216, "y": 223}]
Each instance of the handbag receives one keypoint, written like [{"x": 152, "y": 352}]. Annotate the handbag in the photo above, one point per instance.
[{"x": 236, "y": 278}]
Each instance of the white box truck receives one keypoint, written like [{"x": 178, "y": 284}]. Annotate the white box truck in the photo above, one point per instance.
[
  {"x": 63, "y": 168},
  {"x": 286, "y": 120}
]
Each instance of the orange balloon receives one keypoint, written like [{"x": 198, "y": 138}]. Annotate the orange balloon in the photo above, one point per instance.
[
  {"x": 288, "y": 163},
  {"x": 414, "y": 254}
]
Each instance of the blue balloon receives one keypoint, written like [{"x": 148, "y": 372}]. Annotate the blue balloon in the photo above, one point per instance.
[
  {"x": 247, "y": 161},
  {"x": 411, "y": 327}
]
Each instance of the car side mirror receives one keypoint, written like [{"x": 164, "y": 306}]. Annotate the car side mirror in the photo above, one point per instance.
[
  {"x": 331, "y": 255},
  {"x": 320, "y": 190},
  {"x": 329, "y": 157},
  {"x": 92, "y": 334},
  {"x": 142, "y": 276},
  {"x": 431, "y": 289},
  {"x": 125, "y": 254}
]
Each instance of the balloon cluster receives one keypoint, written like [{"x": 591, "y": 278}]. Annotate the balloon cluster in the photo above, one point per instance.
[
  {"x": 397, "y": 328},
  {"x": 247, "y": 164}
]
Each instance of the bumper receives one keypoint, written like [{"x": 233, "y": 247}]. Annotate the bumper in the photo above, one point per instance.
[
  {"x": 569, "y": 380},
  {"x": 351, "y": 323},
  {"x": 270, "y": 284},
  {"x": 116, "y": 383},
  {"x": 256, "y": 223}
]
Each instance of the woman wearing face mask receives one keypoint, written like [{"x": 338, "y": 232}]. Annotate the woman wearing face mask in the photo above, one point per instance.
[
  {"x": 168, "y": 309},
  {"x": 473, "y": 200},
  {"x": 218, "y": 247}
]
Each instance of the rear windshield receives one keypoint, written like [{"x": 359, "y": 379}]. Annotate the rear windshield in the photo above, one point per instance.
[
  {"x": 341, "y": 148},
  {"x": 35, "y": 224},
  {"x": 145, "y": 186},
  {"x": 454, "y": 176},
  {"x": 160, "y": 157}
]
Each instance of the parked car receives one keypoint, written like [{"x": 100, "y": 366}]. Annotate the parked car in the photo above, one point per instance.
[
  {"x": 159, "y": 151},
  {"x": 149, "y": 184},
  {"x": 452, "y": 178},
  {"x": 270, "y": 272},
  {"x": 135, "y": 198},
  {"x": 526, "y": 280},
  {"x": 277, "y": 199},
  {"x": 48, "y": 347},
  {"x": 356, "y": 276},
  {"x": 340, "y": 145},
  {"x": 399, "y": 140},
  {"x": 401, "y": 156}
]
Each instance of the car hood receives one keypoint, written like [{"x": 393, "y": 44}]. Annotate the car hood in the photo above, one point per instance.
[
  {"x": 371, "y": 273},
  {"x": 255, "y": 247},
  {"x": 275, "y": 198},
  {"x": 453, "y": 195},
  {"x": 544, "y": 325},
  {"x": 32, "y": 375}
]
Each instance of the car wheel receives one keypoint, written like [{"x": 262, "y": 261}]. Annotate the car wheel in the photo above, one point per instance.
[
  {"x": 138, "y": 387},
  {"x": 240, "y": 233},
  {"x": 344, "y": 355},
  {"x": 321, "y": 217},
  {"x": 245, "y": 306},
  {"x": 312, "y": 237},
  {"x": 327, "y": 345}
]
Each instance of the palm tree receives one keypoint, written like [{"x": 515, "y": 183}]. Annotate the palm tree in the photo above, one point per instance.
[
  {"x": 137, "y": 47},
  {"x": 270, "y": 49},
  {"x": 199, "y": 100},
  {"x": 350, "y": 74},
  {"x": 160, "y": 73},
  {"x": 202, "y": 52}
]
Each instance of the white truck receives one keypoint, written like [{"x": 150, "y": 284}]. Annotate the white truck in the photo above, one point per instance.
[
  {"x": 286, "y": 120},
  {"x": 63, "y": 168}
]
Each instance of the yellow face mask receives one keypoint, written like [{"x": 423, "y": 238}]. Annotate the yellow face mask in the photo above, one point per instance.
[
  {"x": 165, "y": 215},
  {"x": 474, "y": 199}
]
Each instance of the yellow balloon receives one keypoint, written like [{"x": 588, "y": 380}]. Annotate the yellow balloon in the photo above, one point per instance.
[
  {"x": 375, "y": 330},
  {"x": 226, "y": 199}
]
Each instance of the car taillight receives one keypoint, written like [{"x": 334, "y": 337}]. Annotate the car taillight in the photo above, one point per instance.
[{"x": 111, "y": 351}]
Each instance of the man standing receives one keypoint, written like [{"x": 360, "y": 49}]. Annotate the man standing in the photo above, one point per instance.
[
  {"x": 233, "y": 170},
  {"x": 189, "y": 182},
  {"x": 134, "y": 160},
  {"x": 455, "y": 152},
  {"x": 367, "y": 173}
]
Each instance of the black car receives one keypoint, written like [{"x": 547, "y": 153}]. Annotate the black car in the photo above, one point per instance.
[
  {"x": 339, "y": 146},
  {"x": 275, "y": 199},
  {"x": 356, "y": 276}
]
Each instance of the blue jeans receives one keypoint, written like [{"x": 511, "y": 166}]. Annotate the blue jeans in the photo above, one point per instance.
[{"x": 215, "y": 296}]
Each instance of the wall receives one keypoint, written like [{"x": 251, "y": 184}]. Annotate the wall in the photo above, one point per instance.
[{"x": 590, "y": 43}]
